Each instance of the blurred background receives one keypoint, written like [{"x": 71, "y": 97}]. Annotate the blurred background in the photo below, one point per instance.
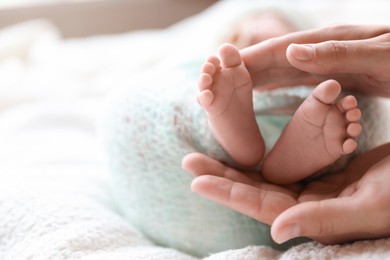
[{"x": 78, "y": 18}]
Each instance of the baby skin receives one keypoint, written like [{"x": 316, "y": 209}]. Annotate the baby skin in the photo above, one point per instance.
[{"x": 322, "y": 129}]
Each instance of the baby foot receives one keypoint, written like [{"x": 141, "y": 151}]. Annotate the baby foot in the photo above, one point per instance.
[
  {"x": 320, "y": 132},
  {"x": 226, "y": 95}
]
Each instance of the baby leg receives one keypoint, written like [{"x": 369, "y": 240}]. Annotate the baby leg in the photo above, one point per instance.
[
  {"x": 226, "y": 95},
  {"x": 319, "y": 133}
]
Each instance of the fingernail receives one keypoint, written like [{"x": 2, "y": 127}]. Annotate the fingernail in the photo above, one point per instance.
[
  {"x": 302, "y": 52},
  {"x": 287, "y": 233}
]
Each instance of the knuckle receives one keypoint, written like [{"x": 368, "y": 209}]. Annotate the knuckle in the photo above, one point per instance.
[
  {"x": 326, "y": 228},
  {"x": 330, "y": 55},
  {"x": 336, "y": 49},
  {"x": 325, "y": 225}
]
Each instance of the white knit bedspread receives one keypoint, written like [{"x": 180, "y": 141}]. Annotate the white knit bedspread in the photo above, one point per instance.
[{"x": 55, "y": 200}]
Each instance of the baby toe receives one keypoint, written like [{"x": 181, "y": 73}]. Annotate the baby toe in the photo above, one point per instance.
[
  {"x": 230, "y": 56},
  {"x": 347, "y": 103},
  {"x": 215, "y": 61},
  {"x": 205, "y": 98},
  {"x": 349, "y": 146},
  {"x": 205, "y": 81},
  {"x": 327, "y": 92},
  {"x": 353, "y": 115},
  {"x": 208, "y": 68},
  {"x": 354, "y": 129}
]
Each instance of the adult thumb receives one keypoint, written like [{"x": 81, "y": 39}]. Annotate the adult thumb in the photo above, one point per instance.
[
  {"x": 332, "y": 57},
  {"x": 329, "y": 220}
]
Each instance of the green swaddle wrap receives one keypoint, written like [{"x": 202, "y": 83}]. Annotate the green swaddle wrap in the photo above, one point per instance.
[{"x": 150, "y": 126}]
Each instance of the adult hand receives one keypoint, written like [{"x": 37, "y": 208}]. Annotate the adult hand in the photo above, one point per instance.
[
  {"x": 358, "y": 56},
  {"x": 348, "y": 205}
]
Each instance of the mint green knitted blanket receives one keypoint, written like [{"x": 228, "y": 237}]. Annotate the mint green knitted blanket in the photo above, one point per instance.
[{"x": 151, "y": 125}]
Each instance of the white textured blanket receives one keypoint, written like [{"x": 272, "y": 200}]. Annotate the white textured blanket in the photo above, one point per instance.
[{"x": 55, "y": 196}]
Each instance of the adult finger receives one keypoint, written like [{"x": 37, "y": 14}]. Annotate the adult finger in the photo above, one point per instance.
[
  {"x": 317, "y": 219},
  {"x": 263, "y": 204},
  {"x": 267, "y": 61},
  {"x": 199, "y": 164},
  {"x": 332, "y": 221},
  {"x": 271, "y": 53},
  {"x": 337, "y": 32},
  {"x": 367, "y": 60},
  {"x": 339, "y": 56},
  {"x": 360, "y": 211}
]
